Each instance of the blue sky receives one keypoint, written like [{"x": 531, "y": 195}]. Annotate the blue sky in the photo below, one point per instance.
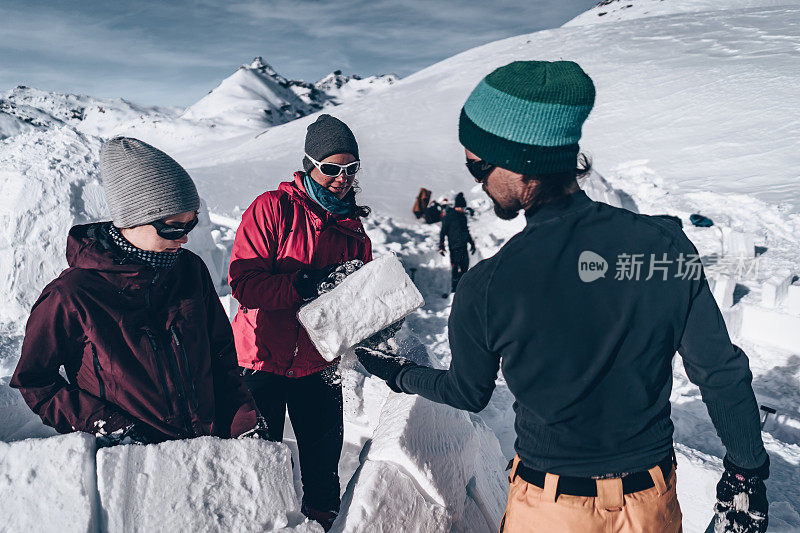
[{"x": 173, "y": 52}]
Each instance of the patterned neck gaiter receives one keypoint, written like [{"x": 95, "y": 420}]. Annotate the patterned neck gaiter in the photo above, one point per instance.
[
  {"x": 326, "y": 198},
  {"x": 156, "y": 260}
]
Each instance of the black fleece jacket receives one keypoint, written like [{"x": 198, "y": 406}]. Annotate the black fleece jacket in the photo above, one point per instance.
[
  {"x": 454, "y": 227},
  {"x": 587, "y": 349}
]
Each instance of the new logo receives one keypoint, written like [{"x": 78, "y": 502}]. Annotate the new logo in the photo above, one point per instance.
[{"x": 591, "y": 266}]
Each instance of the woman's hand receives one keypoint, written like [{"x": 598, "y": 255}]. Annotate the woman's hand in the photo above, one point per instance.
[
  {"x": 313, "y": 282},
  {"x": 337, "y": 276}
]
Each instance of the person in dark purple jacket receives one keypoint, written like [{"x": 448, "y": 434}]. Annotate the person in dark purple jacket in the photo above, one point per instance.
[{"x": 146, "y": 346}]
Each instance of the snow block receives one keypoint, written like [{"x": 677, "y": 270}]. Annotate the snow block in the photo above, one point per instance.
[
  {"x": 792, "y": 301},
  {"x": 383, "y": 498},
  {"x": 377, "y": 295},
  {"x": 434, "y": 443},
  {"x": 203, "y": 484},
  {"x": 738, "y": 244},
  {"x": 771, "y": 327},
  {"x": 48, "y": 484},
  {"x": 775, "y": 289},
  {"x": 454, "y": 463},
  {"x": 722, "y": 290}
]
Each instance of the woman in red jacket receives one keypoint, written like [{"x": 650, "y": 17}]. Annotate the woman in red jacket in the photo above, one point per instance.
[
  {"x": 144, "y": 341},
  {"x": 289, "y": 241}
]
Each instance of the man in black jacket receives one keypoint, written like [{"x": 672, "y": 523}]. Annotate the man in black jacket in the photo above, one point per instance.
[
  {"x": 585, "y": 309},
  {"x": 454, "y": 227}
]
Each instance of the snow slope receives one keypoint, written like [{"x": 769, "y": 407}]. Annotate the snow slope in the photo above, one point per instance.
[
  {"x": 618, "y": 10},
  {"x": 706, "y": 98}
]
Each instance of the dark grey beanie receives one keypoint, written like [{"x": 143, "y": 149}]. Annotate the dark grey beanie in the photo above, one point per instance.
[
  {"x": 143, "y": 184},
  {"x": 327, "y": 136}
]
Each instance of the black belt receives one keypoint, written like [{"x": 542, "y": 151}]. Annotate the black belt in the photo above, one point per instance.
[{"x": 584, "y": 486}]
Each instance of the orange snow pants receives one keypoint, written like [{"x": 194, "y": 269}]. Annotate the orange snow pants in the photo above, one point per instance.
[{"x": 534, "y": 509}]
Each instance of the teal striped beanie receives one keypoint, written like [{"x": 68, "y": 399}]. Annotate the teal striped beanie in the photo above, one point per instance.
[{"x": 527, "y": 116}]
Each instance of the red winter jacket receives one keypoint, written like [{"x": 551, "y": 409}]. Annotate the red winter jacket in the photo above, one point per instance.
[
  {"x": 281, "y": 233},
  {"x": 136, "y": 344}
]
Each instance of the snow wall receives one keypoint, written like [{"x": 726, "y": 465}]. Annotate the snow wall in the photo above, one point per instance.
[
  {"x": 428, "y": 467},
  {"x": 204, "y": 484}
]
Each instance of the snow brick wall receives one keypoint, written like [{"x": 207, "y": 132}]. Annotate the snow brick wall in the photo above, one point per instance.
[
  {"x": 48, "y": 484},
  {"x": 203, "y": 484}
]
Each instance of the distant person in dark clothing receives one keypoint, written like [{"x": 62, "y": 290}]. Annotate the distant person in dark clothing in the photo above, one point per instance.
[
  {"x": 454, "y": 227},
  {"x": 433, "y": 213}
]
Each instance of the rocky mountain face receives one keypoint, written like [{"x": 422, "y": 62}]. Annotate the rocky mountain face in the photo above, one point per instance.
[{"x": 257, "y": 96}]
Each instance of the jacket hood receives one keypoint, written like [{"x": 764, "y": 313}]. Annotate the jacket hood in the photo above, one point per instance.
[
  {"x": 297, "y": 192},
  {"x": 88, "y": 248}
]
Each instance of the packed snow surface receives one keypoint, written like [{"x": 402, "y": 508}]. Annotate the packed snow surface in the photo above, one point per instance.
[
  {"x": 203, "y": 484},
  {"x": 48, "y": 484},
  {"x": 376, "y": 296},
  {"x": 621, "y": 10}
]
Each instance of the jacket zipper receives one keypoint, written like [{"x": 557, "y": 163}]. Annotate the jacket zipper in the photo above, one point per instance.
[
  {"x": 161, "y": 376},
  {"x": 97, "y": 370},
  {"x": 179, "y": 344},
  {"x": 176, "y": 376}
]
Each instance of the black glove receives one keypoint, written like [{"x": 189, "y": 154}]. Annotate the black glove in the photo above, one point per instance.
[
  {"x": 441, "y": 250},
  {"x": 382, "y": 364},
  {"x": 742, "y": 499},
  {"x": 472, "y": 248},
  {"x": 380, "y": 340},
  {"x": 337, "y": 276},
  {"x": 136, "y": 433},
  {"x": 259, "y": 431},
  {"x": 308, "y": 282},
  {"x": 378, "y": 355},
  {"x": 313, "y": 282}
]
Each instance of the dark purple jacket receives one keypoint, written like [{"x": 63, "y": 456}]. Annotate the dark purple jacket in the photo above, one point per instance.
[{"x": 136, "y": 344}]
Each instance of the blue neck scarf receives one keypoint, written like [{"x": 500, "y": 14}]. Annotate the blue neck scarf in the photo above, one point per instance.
[{"x": 326, "y": 198}]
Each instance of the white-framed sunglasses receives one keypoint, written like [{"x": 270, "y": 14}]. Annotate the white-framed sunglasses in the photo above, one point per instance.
[{"x": 334, "y": 170}]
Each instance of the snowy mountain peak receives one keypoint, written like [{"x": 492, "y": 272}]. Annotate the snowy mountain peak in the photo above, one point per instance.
[
  {"x": 258, "y": 63},
  {"x": 335, "y": 79},
  {"x": 256, "y": 96}
]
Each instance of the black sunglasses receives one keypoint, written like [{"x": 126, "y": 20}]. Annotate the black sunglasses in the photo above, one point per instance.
[
  {"x": 170, "y": 232},
  {"x": 479, "y": 169}
]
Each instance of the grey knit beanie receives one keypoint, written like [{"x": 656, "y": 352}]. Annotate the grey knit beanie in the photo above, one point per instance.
[
  {"x": 327, "y": 136},
  {"x": 143, "y": 184}
]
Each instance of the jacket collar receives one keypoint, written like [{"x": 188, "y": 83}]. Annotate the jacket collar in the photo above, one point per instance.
[
  {"x": 576, "y": 201},
  {"x": 297, "y": 192},
  {"x": 89, "y": 248}
]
